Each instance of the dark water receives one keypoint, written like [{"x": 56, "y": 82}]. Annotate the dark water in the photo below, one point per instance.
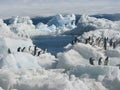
[{"x": 54, "y": 44}]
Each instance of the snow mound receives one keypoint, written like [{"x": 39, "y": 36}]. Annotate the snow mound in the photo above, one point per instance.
[
  {"x": 94, "y": 71},
  {"x": 18, "y": 20},
  {"x": 113, "y": 53},
  {"x": 91, "y": 23},
  {"x": 47, "y": 61},
  {"x": 87, "y": 23},
  {"x": 43, "y": 80},
  {"x": 79, "y": 54},
  {"x": 69, "y": 59},
  {"x": 109, "y": 76},
  {"x": 87, "y": 51},
  {"x": 3, "y": 27},
  {"x": 62, "y": 20},
  {"x": 20, "y": 61},
  {"x": 57, "y": 25},
  {"x": 5, "y": 30},
  {"x": 22, "y": 26},
  {"x": 44, "y": 29},
  {"x": 13, "y": 44}
]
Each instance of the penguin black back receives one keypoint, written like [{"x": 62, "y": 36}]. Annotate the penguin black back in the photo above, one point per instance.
[
  {"x": 23, "y": 49},
  {"x": 9, "y": 51},
  {"x": 18, "y": 49}
]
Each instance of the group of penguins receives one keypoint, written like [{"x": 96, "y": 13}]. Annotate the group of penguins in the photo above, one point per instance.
[
  {"x": 98, "y": 41},
  {"x": 106, "y": 61},
  {"x": 22, "y": 35},
  {"x": 35, "y": 52}
]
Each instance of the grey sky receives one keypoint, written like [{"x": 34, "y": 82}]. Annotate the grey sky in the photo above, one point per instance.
[{"x": 10, "y": 8}]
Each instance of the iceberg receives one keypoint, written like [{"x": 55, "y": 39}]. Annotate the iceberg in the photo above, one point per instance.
[{"x": 62, "y": 20}]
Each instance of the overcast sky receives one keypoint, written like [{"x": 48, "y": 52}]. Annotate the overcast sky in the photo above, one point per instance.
[{"x": 31, "y": 8}]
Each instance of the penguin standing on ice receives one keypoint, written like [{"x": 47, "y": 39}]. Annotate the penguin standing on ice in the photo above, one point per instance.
[
  {"x": 18, "y": 49},
  {"x": 114, "y": 45},
  {"x": 100, "y": 61},
  {"x": 23, "y": 49},
  {"x": 9, "y": 51},
  {"x": 86, "y": 41},
  {"x": 106, "y": 61},
  {"x": 89, "y": 38},
  {"x": 39, "y": 53},
  {"x": 111, "y": 42},
  {"x": 35, "y": 50},
  {"x": 105, "y": 43},
  {"x": 29, "y": 48},
  {"x": 73, "y": 42},
  {"x": 91, "y": 61}
]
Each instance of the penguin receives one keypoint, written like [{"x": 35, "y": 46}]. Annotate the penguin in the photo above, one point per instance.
[
  {"x": 75, "y": 39},
  {"x": 26, "y": 36},
  {"x": 106, "y": 61},
  {"x": 86, "y": 41},
  {"x": 114, "y": 45},
  {"x": 35, "y": 50},
  {"x": 91, "y": 61},
  {"x": 105, "y": 43},
  {"x": 100, "y": 61},
  {"x": 89, "y": 38},
  {"x": 39, "y": 53},
  {"x": 18, "y": 49},
  {"x": 29, "y": 48},
  {"x": 73, "y": 42},
  {"x": 23, "y": 49},
  {"x": 9, "y": 51},
  {"x": 111, "y": 42}
]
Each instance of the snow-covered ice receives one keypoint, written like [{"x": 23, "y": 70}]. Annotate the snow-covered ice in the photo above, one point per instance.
[{"x": 34, "y": 68}]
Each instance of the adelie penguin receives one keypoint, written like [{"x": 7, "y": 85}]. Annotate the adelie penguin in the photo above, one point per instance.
[
  {"x": 111, "y": 42},
  {"x": 114, "y": 45},
  {"x": 91, "y": 61},
  {"x": 100, "y": 61},
  {"x": 105, "y": 43},
  {"x": 73, "y": 42},
  {"x": 18, "y": 49},
  {"x": 23, "y": 49},
  {"x": 35, "y": 50},
  {"x": 106, "y": 61},
  {"x": 9, "y": 51},
  {"x": 39, "y": 53},
  {"x": 29, "y": 48}
]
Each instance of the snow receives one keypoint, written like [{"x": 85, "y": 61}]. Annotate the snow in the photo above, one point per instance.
[
  {"x": 44, "y": 80},
  {"x": 57, "y": 25},
  {"x": 44, "y": 29},
  {"x": 87, "y": 23},
  {"x": 24, "y": 59},
  {"x": 62, "y": 20},
  {"x": 92, "y": 23},
  {"x": 79, "y": 54},
  {"x": 69, "y": 69},
  {"x": 46, "y": 60},
  {"x": 22, "y": 26},
  {"x": 20, "y": 60}
]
